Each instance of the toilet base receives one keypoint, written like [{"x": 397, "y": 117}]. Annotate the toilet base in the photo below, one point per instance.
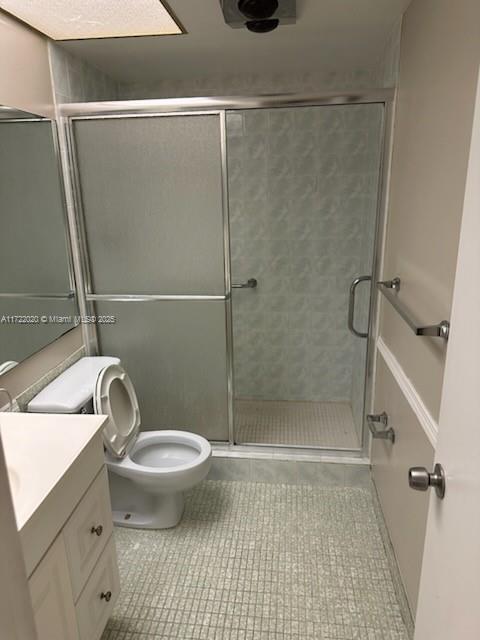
[
  {"x": 161, "y": 512},
  {"x": 135, "y": 508}
]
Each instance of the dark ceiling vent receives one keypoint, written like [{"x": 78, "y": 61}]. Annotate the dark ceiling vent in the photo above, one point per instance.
[
  {"x": 260, "y": 16},
  {"x": 257, "y": 9}
]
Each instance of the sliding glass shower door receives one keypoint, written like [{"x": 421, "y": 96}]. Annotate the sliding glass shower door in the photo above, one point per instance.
[
  {"x": 275, "y": 207},
  {"x": 303, "y": 186},
  {"x": 151, "y": 189}
]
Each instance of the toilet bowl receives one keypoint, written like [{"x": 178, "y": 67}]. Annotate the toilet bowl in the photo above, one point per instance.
[
  {"x": 148, "y": 471},
  {"x": 147, "y": 484}
]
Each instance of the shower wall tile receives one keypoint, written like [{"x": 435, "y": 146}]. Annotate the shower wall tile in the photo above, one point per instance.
[
  {"x": 302, "y": 190},
  {"x": 74, "y": 80},
  {"x": 255, "y": 84},
  {"x": 292, "y": 472}
]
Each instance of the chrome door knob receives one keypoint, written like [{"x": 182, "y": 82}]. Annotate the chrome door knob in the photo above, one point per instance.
[{"x": 420, "y": 479}]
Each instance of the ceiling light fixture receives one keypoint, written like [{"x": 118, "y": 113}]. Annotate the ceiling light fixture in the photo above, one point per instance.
[{"x": 86, "y": 19}]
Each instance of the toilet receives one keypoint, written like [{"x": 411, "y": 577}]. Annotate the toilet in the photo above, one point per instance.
[{"x": 148, "y": 471}]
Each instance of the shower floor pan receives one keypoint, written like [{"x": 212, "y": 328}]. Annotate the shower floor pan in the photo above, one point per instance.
[{"x": 282, "y": 422}]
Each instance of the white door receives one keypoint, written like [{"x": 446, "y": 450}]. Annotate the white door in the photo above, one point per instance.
[{"x": 449, "y": 601}]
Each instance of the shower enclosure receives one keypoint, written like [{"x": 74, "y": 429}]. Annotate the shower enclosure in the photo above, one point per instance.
[{"x": 215, "y": 241}]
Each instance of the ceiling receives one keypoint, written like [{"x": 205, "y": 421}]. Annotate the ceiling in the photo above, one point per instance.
[{"x": 330, "y": 35}]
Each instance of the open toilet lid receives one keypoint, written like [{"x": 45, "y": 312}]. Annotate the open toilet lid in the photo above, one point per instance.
[{"x": 115, "y": 397}]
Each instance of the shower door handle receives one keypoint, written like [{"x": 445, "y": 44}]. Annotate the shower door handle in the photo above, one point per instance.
[
  {"x": 250, "y": 284},
  {"x": 351, "y": 306}
]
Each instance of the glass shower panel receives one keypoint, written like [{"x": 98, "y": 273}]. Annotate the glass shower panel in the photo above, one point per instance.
[
  {"x": 175, "y": 354},
  {"x": 152, "y": 197},
  {"x": 151, "y": 191},
  {"x": 303, "y": 186}
]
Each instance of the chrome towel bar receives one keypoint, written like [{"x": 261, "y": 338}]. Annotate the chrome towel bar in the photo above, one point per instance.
[
  {"x": 40, "y": 296},
  {"x": 390, "y": 289}
]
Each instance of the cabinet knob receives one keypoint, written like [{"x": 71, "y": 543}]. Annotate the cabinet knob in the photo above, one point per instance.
[
  {"x": 107, "y": 596},
  {"x": 97, "y": 530}
]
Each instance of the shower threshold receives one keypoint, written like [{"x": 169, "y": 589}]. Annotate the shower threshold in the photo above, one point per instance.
[{"x": 295, "y": 424}]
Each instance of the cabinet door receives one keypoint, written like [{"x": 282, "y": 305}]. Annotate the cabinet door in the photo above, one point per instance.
[
  {"x": 87, "y": 531},
  {"x": 52, "y": 598},
  {"x": 95, "y": 605}
]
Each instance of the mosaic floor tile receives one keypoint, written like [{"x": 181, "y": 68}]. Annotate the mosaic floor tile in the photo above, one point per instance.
[
  {"x": 319, "y": 424},
  {"x": 253, "y": 561}
]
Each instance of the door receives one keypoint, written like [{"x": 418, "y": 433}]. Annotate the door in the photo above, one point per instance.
[
  {"x": 302, "y": 187},
  {"x": 448, "y": 607},
  {"x": 151, "y": 190}
]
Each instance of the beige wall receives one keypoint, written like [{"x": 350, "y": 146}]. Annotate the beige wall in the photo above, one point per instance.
[
  {"x": 24, "y": 68},
  {"x": 440, "y": 54},
  {"x": 405, "y": 510},
  {"x": 440, "y": 50},
  {"x": 439, "y": 58}
]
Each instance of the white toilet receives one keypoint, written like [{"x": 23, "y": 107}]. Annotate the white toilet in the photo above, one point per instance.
[{"x": 148, "y": 471}]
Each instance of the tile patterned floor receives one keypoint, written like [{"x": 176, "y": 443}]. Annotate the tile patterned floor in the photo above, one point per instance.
[
  {"x": 320, "y": 424},
  {"x": 254, "y": 561}
]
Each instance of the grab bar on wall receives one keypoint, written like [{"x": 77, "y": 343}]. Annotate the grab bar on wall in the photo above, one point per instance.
[
  {"x": 249, "y": 284},
  {"x": 390, "y": 289}
]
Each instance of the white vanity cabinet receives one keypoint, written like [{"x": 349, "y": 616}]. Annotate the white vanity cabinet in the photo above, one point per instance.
[
  {"x": 52, "y": 598},
  {"x": 76, "y": 584},
  {"x": 62, "y": 506},
  {"x": 87, "y": 532}
]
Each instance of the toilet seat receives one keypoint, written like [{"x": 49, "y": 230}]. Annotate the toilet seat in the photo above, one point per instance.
[
  {"x": 115, "y": 397},
  {"x": 156, "y": 441}
]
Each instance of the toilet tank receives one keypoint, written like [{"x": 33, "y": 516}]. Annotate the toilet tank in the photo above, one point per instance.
[{"x": 72, "y": 391}]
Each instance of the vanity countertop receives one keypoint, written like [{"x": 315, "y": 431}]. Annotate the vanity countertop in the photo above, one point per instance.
[{"x": 46, "y": 457}]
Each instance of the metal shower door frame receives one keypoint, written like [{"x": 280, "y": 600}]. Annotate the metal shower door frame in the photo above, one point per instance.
[{"x": 219, "y": 106}]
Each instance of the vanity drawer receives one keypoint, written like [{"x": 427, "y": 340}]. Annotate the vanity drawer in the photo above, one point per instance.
[
  {"x": 87, "y": 531},
  {"x": 96, "y": 602},
  {"x": 51, "y": 595}
]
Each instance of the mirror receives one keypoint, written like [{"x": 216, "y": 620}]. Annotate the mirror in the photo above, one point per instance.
[{"x": 36, "y": 283}]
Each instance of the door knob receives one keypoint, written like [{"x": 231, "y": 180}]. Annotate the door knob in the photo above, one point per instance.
[{"x": 420, "y": 479}]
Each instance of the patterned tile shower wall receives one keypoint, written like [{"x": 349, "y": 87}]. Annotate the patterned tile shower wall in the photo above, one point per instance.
[
  {"x": 74, "y": 80},
  {"x": 231, "y": 84},
  {"x": 302, "y": 194}
]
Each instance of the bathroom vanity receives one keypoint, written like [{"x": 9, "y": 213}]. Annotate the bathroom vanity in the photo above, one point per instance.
[{"x": 62, "y": 507}]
